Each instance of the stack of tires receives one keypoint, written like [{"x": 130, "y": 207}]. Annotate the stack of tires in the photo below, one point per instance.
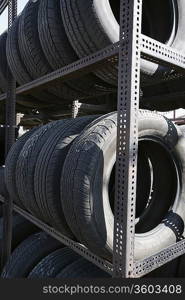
[
  {"x": 63, "y": 173},
  {"x": 21, "y": 230},
  {"x": 49, "y": 35},
  {"x": 41, "y": 256},
  {"x": 36, "y": 45}
]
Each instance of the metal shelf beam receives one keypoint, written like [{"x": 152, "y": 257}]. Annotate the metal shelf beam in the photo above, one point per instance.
[
  {"x": 77, "y": 247},
  {"x": 151, "y": 50},
  {"x": 141, "y": 268}
]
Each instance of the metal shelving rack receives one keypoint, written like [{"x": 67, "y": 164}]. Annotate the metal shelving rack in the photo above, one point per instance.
[{"x": 127, "y": 53}]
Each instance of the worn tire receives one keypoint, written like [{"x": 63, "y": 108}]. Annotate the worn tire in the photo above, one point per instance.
[
  {"x": 26, "y": 164},
  {"x": 92, "y": 25},
  {"x": 48, "y": 170},
  {"x": 82, "y": 269},
  {"x": 10, "y": 165},
  {"x": 15, "y": 63},
  {"x": 88, "y": 213},
  {"x": 20, "y": 72},
  {"x": 21, "y": 230},
  {"x": 3, "y": 62},
  {"x": 28, "y": 254},
  {"x": 52, "y": 264},
  {"x": 33, "y": 55},
  {"x": 58, "y": 50}
]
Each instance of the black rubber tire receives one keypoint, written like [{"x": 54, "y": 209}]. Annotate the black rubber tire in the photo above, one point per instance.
[
  {"x": 20, "y": 72},
  {"x": 10, "y": 165},
  {"x": 48, "y": 171},
  {"x": 83, "y": 168},
  {"x": 26, "y": 164},
  {"x": 58, "y": 50},
  {"x": 92, "y": 25},
  {"x": 79, "y": 18},
  {"x": 33, "y": 55},
  {"x": 82, "y": 269},
  {"x": 15, "y": 63},
  {"x": 3, "y": 62},
  {"x": 28, "y": 254},
  {"x": 160, "y": 162},
  {"x": 52, "y": 264},
  {"x": 21, "y": 230},
  {"x": 29, "y": 44}
]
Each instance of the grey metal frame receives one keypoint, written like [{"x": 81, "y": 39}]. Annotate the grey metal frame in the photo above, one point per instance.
[
  {"x": 131, "y": 48},
  {"x": 127, "y": 137}
]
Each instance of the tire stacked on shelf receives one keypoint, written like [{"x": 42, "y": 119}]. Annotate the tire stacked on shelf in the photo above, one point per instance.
[
  {"x": 46, "y": 167},
  {"x": 28, "y": 254},
  {"x": 33, "y": 54},
  {"x": 40, "y": 256},
  {"x": 34, "y": 166},
  {"x": 82, "y": 268},
  {"x": 65, "y": 263},
  {"x": 24, "y": 103},
  {"x": 63, "y": 173},
  {"x": 52, "y": 35},
  {"x": 10, "y": 165},
  {"x": 37, "y": 159},
  {"x": 18, "y": 69},
  {"x": 3, "y": 62},
  {"x": 92, "y": 25},
  {"x": 51, "y": 265},
  {"x": 59, "y": 51},
  {"x": 21, "y": 230},
  {"x": 37, "y": 45},
  {"x": 89, "y": 210}
]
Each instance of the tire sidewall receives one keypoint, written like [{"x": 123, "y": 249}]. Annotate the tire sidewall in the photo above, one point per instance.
[{"x": 102, "y": 213}]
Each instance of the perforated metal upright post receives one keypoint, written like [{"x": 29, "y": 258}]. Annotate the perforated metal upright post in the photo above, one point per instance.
[
  {"x": 127, "y": 137},
  {"x": 10, "y": 139}
]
